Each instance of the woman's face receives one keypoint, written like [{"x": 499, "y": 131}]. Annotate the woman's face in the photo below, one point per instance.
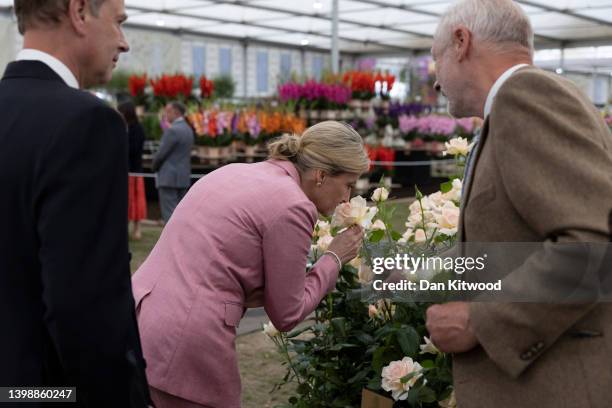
[{"x": 329, "y": 191}]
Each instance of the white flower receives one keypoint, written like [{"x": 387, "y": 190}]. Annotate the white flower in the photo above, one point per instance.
[
  {"x": 323, "y": 242},
  {"x": 448, "y": 219},
  {"x": 406, "y": 236},
  {"x": 380, "y": 194},
  {"x": 372, "y": 311},
  {"x": 437, "y": 199},
  {"x": 419, "y": 235},
  {"x": 428, "y": 347},
  {"x": 450, "y": 402},
  {"x": 270, "y": 331},
  {"x": 455, "y": 193},
  {"x": 457, "y": 146},
  {"x": 378, "y": 225},
  {"x": 355, "y": 212},
  {"x": 365, "y": 274},
  {"x": 322, "y": 228},
  {"x": 392, "y": 377}
]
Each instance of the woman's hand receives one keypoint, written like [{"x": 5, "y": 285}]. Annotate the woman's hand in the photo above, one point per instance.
[{"x": 347, "y": 244}]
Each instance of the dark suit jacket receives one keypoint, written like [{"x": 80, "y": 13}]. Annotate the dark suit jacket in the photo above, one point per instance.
[{"x": 66, "y": 303}]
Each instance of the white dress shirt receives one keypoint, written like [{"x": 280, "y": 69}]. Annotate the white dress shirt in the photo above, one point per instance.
[
  {"x": 29, "y": 54},
  {"x": 497, "y": 86}
]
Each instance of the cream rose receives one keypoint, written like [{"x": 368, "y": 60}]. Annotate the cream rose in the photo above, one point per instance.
[
  {"x": 392, "y": 377},
  {"x": 458, "y": 146},
  {"x": 270, "y": 331},
  {"x": 379, "y": 225},
  {"x": 380, "y": 194},
  {"x": 355, "y": 212},
  {"x": 419, "y": 235}
]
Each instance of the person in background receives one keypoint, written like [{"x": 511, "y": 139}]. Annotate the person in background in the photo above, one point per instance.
[
  {"x": 173, "y": 160},
  {"x": 137, "y": 201}
]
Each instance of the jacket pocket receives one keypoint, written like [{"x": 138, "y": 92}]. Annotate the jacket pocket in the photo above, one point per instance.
[{"x": 233, "y": 313}]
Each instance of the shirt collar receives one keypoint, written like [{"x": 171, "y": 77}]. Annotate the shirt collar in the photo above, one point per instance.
[
  {"x": 497, "y": 86},
  {"x": 288, "y": 167},
  {"x": 29, "y": 54}
]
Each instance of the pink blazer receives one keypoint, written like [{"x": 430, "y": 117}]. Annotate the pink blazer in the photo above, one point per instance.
[{"x": 239, "y": 238}]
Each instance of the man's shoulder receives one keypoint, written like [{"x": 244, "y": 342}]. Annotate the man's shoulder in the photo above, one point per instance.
[{"x": 532, "y": 79}]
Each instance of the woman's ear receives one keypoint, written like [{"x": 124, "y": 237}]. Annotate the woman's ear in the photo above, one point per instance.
[{"x": 320, "y": 176}]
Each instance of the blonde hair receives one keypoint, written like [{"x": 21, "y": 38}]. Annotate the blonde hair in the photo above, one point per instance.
[
  {"x": 499, "y": 23},
  {"x": 334, "y": 147}
]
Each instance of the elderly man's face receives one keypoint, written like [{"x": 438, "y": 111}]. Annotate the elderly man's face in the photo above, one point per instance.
[{"x": 449, "y": 79}]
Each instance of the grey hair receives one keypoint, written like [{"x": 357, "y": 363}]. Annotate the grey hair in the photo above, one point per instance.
[
  {"x": 34, "y": 13},
  {"x": 178, "y": 106},
  {"x": 498, "y": 23}
]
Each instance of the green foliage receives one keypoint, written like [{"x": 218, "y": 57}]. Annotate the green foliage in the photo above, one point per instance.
[
  {"x": 151, "y": 125},
  {"x": 224, "y": 86}
]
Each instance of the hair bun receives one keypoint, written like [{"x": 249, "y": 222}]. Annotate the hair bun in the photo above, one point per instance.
[{"x": 286, "y": 147}]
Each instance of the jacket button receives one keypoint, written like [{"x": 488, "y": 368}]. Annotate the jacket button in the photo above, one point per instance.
[
  {"x": 539, "y": 345},
  {"x": 528, "y": 355}
]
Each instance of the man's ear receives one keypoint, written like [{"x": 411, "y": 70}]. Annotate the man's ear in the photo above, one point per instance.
[
  {"x": 462, "y": 42},
  {"x": 78, "y": 13}
]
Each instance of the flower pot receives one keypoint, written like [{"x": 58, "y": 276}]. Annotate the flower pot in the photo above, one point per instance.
[
  {"x": 303, "y": 113},
  {"x": 214, "y": 154},
  {"x": 202, "y": 152},
  {"x": 370, "y": 399},
  {"x": 346, "y": 114},
  {"x": 249, "y": 152},
  {"x": 365, "y": 106},
  {"x": 313, "y": 114},
  {"x": 330, "y": 115},
  {"x": 355, "y": 104}
]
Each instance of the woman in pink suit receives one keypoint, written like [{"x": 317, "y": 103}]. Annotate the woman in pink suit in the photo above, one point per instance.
[{"x": 240, "y": 238}]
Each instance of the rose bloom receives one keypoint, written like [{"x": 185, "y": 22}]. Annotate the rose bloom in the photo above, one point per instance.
[
  {"x": 322, "y": 229},
  {"x": 372, "y": 312},
  {"x": 365, "y": 274},
  {"x": 458, "y": 146},
  {"x": 355, "y": 212},
  {"x": 323, "y": 242},
  {"x": 455, "y": 193},
  {"x": 379, "y": 225},
  {"x": 428, "y": 347},
  {"x": 448, "y": 219},
  {"x": 419, "y": 235},
  {"x": 394, "y": 372},
  {"x": 380, "y": 194}
]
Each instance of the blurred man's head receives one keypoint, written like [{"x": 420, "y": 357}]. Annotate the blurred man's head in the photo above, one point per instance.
[
  {"x": 84, "y": 34},
  {"x": 474, "y": 41},
  {"x": 174, "y": 110}
]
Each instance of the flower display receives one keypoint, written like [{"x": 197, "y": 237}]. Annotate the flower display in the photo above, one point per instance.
[
  {"x": 137, "y": 85},
  {"x": 362, "y": 84},
  {"x": 170, "y": 87},
  {"x": 207, "y": 87},
  {"x": 457, "y": 146}
]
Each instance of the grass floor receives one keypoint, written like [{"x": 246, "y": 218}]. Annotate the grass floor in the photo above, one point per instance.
[{"x": 260, "y": 365}]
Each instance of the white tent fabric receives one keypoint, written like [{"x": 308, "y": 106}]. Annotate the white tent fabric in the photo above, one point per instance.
[{"x": 365, "y": 26}]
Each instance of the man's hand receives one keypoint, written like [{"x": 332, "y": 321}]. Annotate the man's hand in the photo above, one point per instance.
[{"x": 449, "y": 327}]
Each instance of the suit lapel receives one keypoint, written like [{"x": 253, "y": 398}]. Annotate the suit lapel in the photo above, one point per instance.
[{"x": 467, "y": 187}]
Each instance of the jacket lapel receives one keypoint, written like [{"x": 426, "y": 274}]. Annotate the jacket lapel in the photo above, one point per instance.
[{"x": 467, "y": 187}]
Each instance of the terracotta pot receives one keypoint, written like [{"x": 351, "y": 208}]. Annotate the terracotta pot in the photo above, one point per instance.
[{"x": 370, "y": 399}]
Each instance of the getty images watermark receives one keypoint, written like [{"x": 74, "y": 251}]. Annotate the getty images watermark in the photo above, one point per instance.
[{"x": 406, "y": 265}]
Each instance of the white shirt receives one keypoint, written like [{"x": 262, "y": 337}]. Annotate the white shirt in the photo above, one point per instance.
[
  {"x": 29, "y": 54},
  {"x": 497, "y": 86}
]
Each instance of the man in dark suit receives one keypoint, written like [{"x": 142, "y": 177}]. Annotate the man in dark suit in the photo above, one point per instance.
[
  {"x": 66, "y": 302},
  {"x": 173, "y": 160}
]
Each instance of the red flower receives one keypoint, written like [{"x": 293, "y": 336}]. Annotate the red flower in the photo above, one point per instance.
[{"x": 137, "y": 84}]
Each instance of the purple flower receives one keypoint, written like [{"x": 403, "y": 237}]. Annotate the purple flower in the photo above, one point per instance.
[{"x": 253, "y": 126}]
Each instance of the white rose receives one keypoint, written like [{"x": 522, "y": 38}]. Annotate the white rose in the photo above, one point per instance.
[
  {"x": 406, "y": 236},
  {"x": 458, "y": 146},
  {"x": 379, "y": 225},
  {"x": 323, "y": 243},
  {"x": 448, "y": 219},
  {"x": 365, "y": 274},
  {"x": 437, "y": 199},
  {"x": 322, "y": 228},
  {"x": 270, "y": 331},
  {"x": 355, "y": 212},
  {"x": 393, "y": 374},
  {"x": 419, "y": 235},
  {"x": 380, "y": 194},
  {"x": 428, "y": 347},
  {"x": 372, "y": 312}
]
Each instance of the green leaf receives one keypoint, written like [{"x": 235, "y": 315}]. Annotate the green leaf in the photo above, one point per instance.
[
  {"x": 297, "y": 332},
  {"x": 303, "y": 389},
  {"x": 365, "y": 338},
  {"x": 395, "y": 235},
  {"x": 359, "y": 376},
  {"x": 427, "y": 364},
  {"x": 374, "y": 383},
  {"x": 446, "y": 187},
  {"x": 427, "y": 395},
  {"x": 408, "y": 340},
  {"x": 339, "y": 325},
  {"x": 376, "y": 236}
]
